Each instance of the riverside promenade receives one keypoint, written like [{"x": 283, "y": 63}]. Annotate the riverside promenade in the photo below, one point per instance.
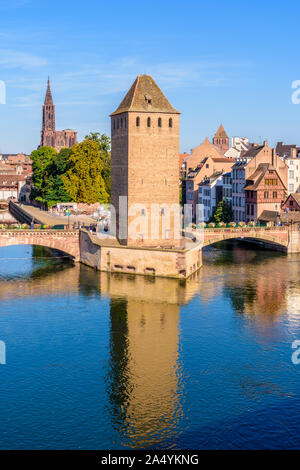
[{"x": 29, "y": 213}]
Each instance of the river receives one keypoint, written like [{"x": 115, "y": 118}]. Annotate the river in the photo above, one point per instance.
[{"x": 112, "y": 362}]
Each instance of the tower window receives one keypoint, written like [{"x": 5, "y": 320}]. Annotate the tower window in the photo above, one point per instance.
[
  {"x": 121, "y": 122},
  {"x": 170, "y": 122},
  {"x": 138, "y": 122},
  {"x": 159, "y": 122},
  {"x": 148, "y": 122}
]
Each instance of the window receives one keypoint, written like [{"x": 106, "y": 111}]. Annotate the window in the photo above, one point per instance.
[
  {"x": 266, "y": 194},
  {"x": 142, "y": 211},
  {"x": 170, "y": 122},
  {"x": 138, "y": 122},
  {"x": 148, "y": 122},
  {"x": 274, "y": 194},
  {"x": 159, "y": 122},
  {"x": 271, "y": 181}
]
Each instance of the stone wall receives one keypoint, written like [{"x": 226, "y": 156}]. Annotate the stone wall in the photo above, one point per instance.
[{"x": 104, "y": 256}]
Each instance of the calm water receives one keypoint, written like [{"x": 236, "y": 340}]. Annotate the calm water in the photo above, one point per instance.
[{"x": 97, "y": 361}]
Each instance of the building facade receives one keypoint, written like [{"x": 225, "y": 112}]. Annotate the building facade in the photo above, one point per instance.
[
  {"x": 264, "y": 191},
  {"x": 50, "y": 137},
  {"x": 210, "y": 192}
]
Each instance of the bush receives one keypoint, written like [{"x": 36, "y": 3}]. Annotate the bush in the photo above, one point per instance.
[
  {"x": 251, "y": 224},
  {"x": 232, "y": 224},
  {"x": 242, "y": 224},
  {"x": 222, "y": 224},
  {"x": 211, "y": 225}
]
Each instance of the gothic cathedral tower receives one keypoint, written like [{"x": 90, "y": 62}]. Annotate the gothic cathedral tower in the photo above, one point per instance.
[
  {"x": 48, "y": 135},
  {"x": 145, "y": 166}
]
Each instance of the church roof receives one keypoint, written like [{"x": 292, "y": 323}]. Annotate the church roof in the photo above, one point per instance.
[
  {"x": 145, "y": 96},
  {"x": 221, "y": 132},
  {"x": 206, "y": 149}
]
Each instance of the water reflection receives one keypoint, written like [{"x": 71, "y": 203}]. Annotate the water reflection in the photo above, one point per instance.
[{"x": 178, "y": 357}]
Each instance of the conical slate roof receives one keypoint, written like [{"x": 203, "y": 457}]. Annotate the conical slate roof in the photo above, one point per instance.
[
  {"x": 221, "y": 132},
  {"x": 146, "y": 97},
  {"x": 48, "y": 97}
]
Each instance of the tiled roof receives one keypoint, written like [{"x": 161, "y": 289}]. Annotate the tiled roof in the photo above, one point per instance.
[
  {"x": 253, "y": 151},
  {"x": 145, "y": 96},
  {"x": 268, "y": 216},
  {"x": 296, "y": 196},
  {"x": 221, "y": 132}
]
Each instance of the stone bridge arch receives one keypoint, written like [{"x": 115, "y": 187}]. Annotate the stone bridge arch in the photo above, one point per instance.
[
  {"x": 277, "y": 236},
  {"x": 64, "y": 241}
]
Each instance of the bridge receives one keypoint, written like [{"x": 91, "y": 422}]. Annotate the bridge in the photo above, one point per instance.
[
  {"x": 104, "y": 255},
  {"x": 283, "y": 238},
  {"x": 66, "y": 241}
]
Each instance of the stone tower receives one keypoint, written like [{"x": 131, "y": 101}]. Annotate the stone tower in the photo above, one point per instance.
[
  {"x": 221, "y": 139},
  {"x": 144, "y": 166},
  {"x": 49, "y": 136},
  {"x": 48, "y": 120}
]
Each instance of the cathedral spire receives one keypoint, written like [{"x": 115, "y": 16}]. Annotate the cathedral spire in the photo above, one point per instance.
[{"x": 48, "y": 97}]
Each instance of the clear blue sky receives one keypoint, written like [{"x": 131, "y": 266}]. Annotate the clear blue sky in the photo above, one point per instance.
[{"x": 219, "y": 61}]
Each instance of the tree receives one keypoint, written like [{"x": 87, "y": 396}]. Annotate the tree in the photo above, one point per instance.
[
  {"x": 223, "y": 212},
  {"x": 42, "y": 161},
  {"x": 83, "y": 180},
  {"x": 104, "y": 145}
]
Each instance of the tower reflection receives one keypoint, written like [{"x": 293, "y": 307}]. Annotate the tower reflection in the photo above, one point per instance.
[{"x": 143, "y": 380}]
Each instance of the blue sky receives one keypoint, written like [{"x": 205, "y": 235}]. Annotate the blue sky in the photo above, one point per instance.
[{"x": 219, "y": 61}]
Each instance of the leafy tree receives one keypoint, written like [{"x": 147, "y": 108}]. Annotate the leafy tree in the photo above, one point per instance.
[
  {"x": 223, "y": 212},
  {"x": 42, "y": 161},
  {"x": 104, "y": 145},
  {"x": 83, "y": 180}
]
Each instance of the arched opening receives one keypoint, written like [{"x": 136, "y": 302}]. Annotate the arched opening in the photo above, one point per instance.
[
  {"x": 148, "y": 122},
  {"x": 170, "y": 122},
  {"x": 31, "y": 261},
  {"x": 137, "y": 121}
]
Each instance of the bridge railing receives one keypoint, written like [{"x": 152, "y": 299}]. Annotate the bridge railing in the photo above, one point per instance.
[
  {"x": 17, "y": 226},
  {"x": 234, "y": 226}
]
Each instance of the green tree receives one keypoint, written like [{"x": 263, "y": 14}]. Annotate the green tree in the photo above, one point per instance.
[
  {"x": 104, "y": 145},
  {"x": 223, "y": 212},
  {"x": 83, "y": 180},
  {"x": 42, "y": 164}
]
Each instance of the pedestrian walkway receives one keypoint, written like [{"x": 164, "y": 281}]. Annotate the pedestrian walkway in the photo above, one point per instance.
[{"x": 47, "y": 218}]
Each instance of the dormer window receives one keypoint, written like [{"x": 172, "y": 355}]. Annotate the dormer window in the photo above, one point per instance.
[{"x": 148, "y": 99}]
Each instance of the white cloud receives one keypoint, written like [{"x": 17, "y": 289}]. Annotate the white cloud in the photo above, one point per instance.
[{"x": 12, "y": 59}]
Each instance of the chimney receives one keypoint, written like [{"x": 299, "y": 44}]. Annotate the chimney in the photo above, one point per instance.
[
  {"x": 273, "y": 156},
  {"x": 293, "y": 152}
]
